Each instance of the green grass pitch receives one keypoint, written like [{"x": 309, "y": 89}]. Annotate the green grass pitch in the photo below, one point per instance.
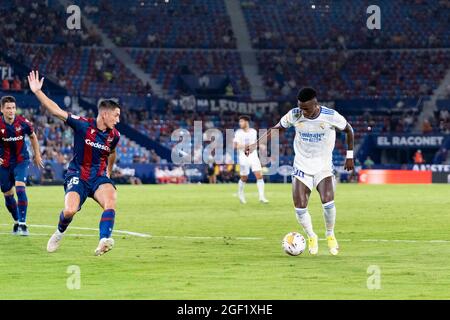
[{"x": 205, "y": 245}]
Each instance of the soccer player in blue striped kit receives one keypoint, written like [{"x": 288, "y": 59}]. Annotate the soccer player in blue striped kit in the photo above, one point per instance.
[
  {"x": 15, "y": 161},
  {"x": 88, "y": 175}
]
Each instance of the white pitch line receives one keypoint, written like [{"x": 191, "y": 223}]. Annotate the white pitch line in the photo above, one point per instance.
[
  {"x": 144, "y": 235},
  {"x": 48, "y": 235},
  {"x": 208, "y": 238},
  {"x": 136, "y": 234}
]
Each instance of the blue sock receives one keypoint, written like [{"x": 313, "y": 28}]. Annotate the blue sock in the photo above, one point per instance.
[
  {"x": 107, "y": 223},
  {"x": 22, "y": 202},
  {"x": 63, "y": 222},
  {"x": 11, "y": 205}
]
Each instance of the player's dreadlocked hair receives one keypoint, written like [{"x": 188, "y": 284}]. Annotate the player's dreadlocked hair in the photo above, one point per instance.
[
  {"x": 108, "y": 104},
  {"x": 7, "y": 99},
  {"x": 306, "y": 94}
]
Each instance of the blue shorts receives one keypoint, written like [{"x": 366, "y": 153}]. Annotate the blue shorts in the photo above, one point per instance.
[
  {"x": 85, "y": 189},
  {"x": 15, "y": 172}
]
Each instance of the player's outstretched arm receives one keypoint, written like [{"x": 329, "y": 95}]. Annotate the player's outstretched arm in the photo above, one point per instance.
[
  {"x": 349, "y": 162},
  {"x": 50, "y": 105},
  {"x": 250, "y": 148},
  {"x": 36, "y": 151}
]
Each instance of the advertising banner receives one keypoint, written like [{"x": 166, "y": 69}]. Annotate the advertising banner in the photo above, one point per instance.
[{"x": 410, "y": 141}]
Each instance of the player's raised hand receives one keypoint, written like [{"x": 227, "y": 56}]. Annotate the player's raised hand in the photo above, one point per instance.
[
  {"x": 34, "y": 82},
  {"x": 349, "y": 164}
]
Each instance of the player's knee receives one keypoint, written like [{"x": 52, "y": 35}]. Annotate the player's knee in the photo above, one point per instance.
[
  {"x": 110, "y": 202},
  {"x": 301, "y": 202},
  {"x": 70, "y": 211},
  {"x": 8, "y": 193},
  {"x": 327, "y": 197},
  {"x": 244, "y": 178}
]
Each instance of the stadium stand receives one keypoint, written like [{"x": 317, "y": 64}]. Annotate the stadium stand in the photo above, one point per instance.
[
  {"x": 166, "y": 66},
  {"x": 360, "y": 74},
  {"x": 86, "y": 71},
  {"x": 38, "y": 22},
  {"x": 180, "y": 24},
  {"x": 314, "y": 25}
]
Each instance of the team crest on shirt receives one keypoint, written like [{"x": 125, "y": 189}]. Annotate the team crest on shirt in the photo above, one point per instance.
[
  {"x": 296, "y": 113},
  {"x": 322, "y": 126}
]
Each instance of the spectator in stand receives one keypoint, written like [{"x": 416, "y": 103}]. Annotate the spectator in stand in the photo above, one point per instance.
[
  {"x": 5, "y": 85},
  {"x": 16, "y": 84},
  {"x": 418, "y": 157},
  {"x": 427, "y": 127},
  {"x": 368, "y": 163}
]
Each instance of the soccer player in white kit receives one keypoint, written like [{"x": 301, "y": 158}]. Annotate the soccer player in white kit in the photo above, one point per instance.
[
  {"x": 244, "y": 137},
  {"x": 315, "y": 136}
]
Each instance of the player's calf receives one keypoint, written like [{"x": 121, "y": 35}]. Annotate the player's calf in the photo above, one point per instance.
[
  {"x": 304, "y": 218},
  {"x": 22, "y": 206},
  {"x": 329, "y": 213},
  {"x": 106, "y": 227},
  {"x": 11, "y": 205}
]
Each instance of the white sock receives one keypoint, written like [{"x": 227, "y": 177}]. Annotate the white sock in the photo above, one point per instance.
[
  {"x": 260, "y": 185},
  {"x": 304, "y": 218},
  {"x": 329, "y": 214},
  {"x": 241, "y": 186}
]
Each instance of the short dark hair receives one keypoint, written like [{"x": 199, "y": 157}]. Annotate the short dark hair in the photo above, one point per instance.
[
  {"x": 108, "y": 104},
  {"x": 7, "y": 99},
  {"x": 306, "y": 94},
  {"x": 244, "y": 117}
]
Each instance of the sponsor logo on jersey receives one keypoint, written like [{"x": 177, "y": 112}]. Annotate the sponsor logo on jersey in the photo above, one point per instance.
[
  {"x": 13, "y": 139},
  {"x": 96, "y": 145},
  {"x": 18, "y": 128},
  {"x": 312, "y": 137}
]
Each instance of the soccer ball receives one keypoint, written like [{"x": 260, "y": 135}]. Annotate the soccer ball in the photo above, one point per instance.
[{"x": 293, "y": 243}]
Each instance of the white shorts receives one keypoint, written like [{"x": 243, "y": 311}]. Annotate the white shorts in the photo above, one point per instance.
[
  {"x": 312, "y": 181},
  {"x": 247, "y": 163}
]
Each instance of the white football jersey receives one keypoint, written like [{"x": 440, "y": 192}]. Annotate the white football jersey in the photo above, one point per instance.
[
  {"x": 314, "y": 138},
  {"x": 245, "y": 137}
]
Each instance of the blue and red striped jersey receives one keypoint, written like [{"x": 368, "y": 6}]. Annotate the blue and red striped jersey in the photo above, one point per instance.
[
  {"x": 13, "y": 149},
  {"x": 91, "y": 147}
]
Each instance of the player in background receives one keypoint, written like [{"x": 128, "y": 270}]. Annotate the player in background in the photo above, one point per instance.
[
  {"x": 15, "y": 161},
  {"x": 244, "y": 137},
  {"x": 90, "y": 169},
  {"x": 315, "y": 136}
]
